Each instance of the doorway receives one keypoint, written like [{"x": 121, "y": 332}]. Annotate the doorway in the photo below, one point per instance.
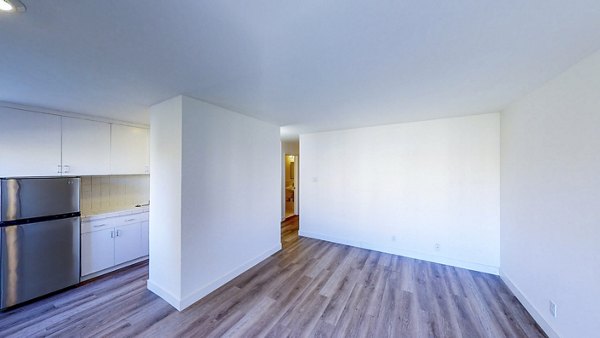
[
  {"x": 291, "y": 220},
  {"x": 290, "y": 191},
  {"x": 291, "y": 185}
]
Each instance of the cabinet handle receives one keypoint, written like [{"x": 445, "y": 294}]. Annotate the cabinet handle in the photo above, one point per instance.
[
  {"x": 118, "y": 233},
  {"x": 129, "y": 220},
  {"x": 99, "y": 225},
  {"x": 112, "y": 234},
  {"x": 59, "y": 171}
]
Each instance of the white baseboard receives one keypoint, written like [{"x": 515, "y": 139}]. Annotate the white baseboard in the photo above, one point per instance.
[
  {"x": 203, "y": 291},
  {"x": 406, "y": 253},
  {"x": 164, "y": 294},
  {"x": 528, "y": 306}
]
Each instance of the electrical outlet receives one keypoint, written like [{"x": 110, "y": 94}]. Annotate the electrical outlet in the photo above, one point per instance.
[
  {"x": 437, "y": 246},
  {"x": 393, "y": 238},
  {"x": 553, "y": 309}
]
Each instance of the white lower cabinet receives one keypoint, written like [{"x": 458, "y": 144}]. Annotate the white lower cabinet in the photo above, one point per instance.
[
  {"x": 145, "y": 238},
  {"x": 128, "y": 242},
  {"x": 109, "y": 242},
  {"x": 97, "y": 251}
]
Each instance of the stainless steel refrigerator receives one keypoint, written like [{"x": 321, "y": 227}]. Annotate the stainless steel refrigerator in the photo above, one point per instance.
[{"x": 39, "y": 237}]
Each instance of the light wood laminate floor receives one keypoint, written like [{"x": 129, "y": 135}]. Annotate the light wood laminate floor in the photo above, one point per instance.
[
  {"x": 310, "y": 288},
  {"x": 289, "y": 231}
]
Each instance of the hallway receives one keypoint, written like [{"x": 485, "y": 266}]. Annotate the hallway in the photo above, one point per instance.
[{"x": 289, "y": 230}]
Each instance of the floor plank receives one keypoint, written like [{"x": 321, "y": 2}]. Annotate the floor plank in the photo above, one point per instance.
[{"x": 311, "y": 288}]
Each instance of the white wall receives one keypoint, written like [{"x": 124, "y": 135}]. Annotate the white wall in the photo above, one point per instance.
[
  {"x": 226, "y": 207},
  {"x": 550, "y": 199},
  {"x": 165, "y": 197},
  {"x": 403, "y": 188},
  {"x": 230, "y": 202},
  {"x": 289, "y": 147}
]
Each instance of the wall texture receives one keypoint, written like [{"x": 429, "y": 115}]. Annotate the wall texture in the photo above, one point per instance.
[
  {"x": 405, "y": 188},
  {"x": 550, "y": 197}
]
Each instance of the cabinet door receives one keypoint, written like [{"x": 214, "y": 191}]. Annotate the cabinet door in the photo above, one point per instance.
[
  {"x": 85, "y": 147},
  {"x": 128, "y": 242},
  {"x": 29, "y": 143},
  {"x": 129, "y": 150},
  {"x": 145, "y": 238},
  {"x": 97, "y": 251}
]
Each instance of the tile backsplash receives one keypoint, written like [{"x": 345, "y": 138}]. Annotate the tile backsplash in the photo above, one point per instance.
[{"x": 111, "y": 193}]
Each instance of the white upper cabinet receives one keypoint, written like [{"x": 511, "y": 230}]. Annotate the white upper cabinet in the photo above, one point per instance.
[
  {"x": 85, "y": 147},
  {"x": 30, "y": 143},
  {"x": 129, "y": 150},
  {"x": 44, "y": 144}
]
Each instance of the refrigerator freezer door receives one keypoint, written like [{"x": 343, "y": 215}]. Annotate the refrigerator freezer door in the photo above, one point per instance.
[
  {"x": 24, "y": 198},
  {"x": 38, "y": 258}
]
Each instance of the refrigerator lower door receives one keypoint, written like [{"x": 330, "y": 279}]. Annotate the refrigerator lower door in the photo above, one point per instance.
[{"x": 37, "y": 259}]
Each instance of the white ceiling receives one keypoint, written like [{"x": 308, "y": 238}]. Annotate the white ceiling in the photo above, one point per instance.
[{"x": 309, "y": 65}]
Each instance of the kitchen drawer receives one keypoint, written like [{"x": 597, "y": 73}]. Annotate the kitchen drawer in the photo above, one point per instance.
[
  {"x": 129, "y": 219},
  {"x": 96, "y": 225}
]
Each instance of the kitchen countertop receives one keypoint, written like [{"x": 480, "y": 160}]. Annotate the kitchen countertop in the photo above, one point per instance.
[{"x": 100, "y": 214}]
